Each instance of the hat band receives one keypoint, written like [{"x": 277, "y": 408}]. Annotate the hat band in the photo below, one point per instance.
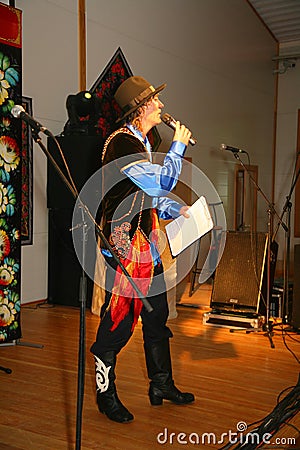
[{"x": 139, "y": 98}]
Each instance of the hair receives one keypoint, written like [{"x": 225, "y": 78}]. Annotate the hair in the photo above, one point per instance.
[{"x": 135, "y": 116}]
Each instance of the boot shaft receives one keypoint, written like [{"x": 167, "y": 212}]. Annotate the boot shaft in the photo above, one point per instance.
[
  {"x": 105, "y": 371},
  {"x": 159, "y": 367},
  {"x": 107, "y": 397},
  {"x": 158, "y": 361}
]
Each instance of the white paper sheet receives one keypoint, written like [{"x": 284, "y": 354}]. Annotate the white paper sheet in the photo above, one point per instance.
[{"x": 182, "y": 231}]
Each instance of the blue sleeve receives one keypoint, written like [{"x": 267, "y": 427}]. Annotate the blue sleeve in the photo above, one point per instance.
[
  {"x": 167, "y": 208},
  {"x": 155, "y": 179}
]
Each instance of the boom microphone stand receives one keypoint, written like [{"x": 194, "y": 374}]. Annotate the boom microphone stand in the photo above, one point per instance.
[
  {"x": 267, "y": 326},
  {"x": 83, "y": 282},
  {"x": 287, "y": 210}
]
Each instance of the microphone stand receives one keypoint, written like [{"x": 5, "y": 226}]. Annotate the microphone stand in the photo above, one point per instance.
[
  {"x": 267, "y": 326},
  {"x": 83, "y": 282},
  {"x": 287, "y": 208}
]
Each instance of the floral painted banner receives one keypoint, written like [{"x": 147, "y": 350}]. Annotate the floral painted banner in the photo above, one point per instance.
[{"x": 10, "y": 182}]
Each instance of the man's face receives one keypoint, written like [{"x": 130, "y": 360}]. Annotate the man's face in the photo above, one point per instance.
[{"x": 152, "y": 111}]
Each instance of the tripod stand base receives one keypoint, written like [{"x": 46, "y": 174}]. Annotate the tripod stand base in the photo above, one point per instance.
[
  {"x": 266, "y": 328},
  {"x": 22, "y": 343},
  {"x": 5, "y": 369}
]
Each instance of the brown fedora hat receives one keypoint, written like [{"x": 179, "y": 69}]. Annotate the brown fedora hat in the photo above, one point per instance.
[{"x": 133, "y": 93}]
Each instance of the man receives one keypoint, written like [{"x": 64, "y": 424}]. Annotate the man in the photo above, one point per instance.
[{"x": 130, "y": 223}]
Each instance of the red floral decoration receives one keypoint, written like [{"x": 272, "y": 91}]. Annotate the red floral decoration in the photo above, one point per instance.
[{"x": 105, "y": 87}]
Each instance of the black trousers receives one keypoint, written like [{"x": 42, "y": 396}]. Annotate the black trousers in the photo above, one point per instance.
[{"x": 154, "y": 326}]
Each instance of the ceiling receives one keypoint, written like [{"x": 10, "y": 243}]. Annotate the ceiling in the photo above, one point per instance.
[{"x": 282, "y": 17}]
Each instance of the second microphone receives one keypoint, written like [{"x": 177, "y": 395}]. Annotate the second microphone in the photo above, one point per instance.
[{"x": 171, "y": 122}]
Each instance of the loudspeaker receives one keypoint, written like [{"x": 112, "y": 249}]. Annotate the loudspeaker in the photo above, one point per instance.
[
  {"x": 64, "y": 269},
  {"x": 83, "y": 158},
  {"x": 240, "y": 281},
  {"x": 296, "y": 289}
]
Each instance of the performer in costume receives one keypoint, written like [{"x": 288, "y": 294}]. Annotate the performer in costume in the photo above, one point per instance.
[{"x": 130, "y": 222}]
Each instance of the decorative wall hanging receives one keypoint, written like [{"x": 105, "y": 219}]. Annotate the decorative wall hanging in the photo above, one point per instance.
[
  {"x": 10, "y": 173},
  {"x": 116, "y": 71}
]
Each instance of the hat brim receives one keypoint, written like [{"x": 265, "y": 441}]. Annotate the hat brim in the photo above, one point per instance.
[{"x": 157, "y": 90}]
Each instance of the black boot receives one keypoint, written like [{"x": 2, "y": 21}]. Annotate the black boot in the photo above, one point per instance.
[
  {"x": 107, "y": 397},
  {"x": 158, "y": 362}
]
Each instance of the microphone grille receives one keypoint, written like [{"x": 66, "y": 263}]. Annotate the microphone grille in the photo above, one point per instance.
[
  {"x": 16, "y": 111},
  {"x": 166, "y": 118},
  {"x": 223, "y": 147}
]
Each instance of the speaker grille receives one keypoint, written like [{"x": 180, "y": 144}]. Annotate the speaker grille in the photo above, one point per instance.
[{"x": 239, "y": 275}]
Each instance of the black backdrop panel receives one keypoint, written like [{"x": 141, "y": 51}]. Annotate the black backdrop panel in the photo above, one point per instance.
[
  {"x": 64, "y": 270},
  {"x": 239, "y": 276},
  {"x": 83, "y": 156}
]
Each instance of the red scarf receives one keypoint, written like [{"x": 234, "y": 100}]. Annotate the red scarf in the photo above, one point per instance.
[{"x": 139, "y": 265}]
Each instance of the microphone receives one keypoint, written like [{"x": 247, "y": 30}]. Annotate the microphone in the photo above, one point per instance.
[
  {"x": 231, "y": 149},
  {"x": 171, "y": 122},
  {"x": 19, "y": 113}
]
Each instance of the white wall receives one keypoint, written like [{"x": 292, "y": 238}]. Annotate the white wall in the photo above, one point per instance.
[
  {"x": 214, "y": 55},
  {"x": 287, "y": 123},
  {"x": 49, "y": 74},
  {"x": 216, "y": 58}
]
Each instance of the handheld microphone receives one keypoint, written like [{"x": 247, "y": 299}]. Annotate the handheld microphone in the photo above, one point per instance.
[
  {"x": 19, "y": 113},
  {"x": 171, "y": 122},
  {"x": 231, "y": 149}
]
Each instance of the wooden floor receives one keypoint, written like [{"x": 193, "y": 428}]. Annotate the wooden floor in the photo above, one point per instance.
[{"x": 236, "y": 377}]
